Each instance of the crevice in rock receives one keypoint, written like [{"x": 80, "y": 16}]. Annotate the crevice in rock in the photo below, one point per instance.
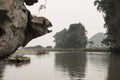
[
  {"x": 1, "y": 32},
  {"x": 3, "y": 17}
]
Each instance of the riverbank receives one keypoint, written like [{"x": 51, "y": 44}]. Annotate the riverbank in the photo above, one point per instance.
[{"x": 44, "y": 51}]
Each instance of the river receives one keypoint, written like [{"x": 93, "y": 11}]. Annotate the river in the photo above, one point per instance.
[{"x": 65, "y": 66}]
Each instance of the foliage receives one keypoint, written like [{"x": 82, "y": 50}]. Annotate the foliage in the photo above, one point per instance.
[
  {"x": 111, "y": 11},
  {"x": 74, "y": 37},
  {"x": 60, "y": 38},
  {"x": 34, "y": 47}
]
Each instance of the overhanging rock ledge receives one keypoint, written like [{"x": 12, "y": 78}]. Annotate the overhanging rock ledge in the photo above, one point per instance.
[{"x": 18, "y": 26}]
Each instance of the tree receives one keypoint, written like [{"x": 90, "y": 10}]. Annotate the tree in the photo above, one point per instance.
[
  {"x": 60, "y": 38},
  {"x": 74, "y": 37},
  {"x": 111, "y": 11}
]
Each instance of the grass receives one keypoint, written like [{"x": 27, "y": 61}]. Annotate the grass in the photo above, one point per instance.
[
  {"x": 58, "y": 49},
  {"x": 96, "y": 50},
  {"x": 85, "y": 49}
]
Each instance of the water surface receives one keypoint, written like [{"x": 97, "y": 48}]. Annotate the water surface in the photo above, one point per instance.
[{"x": 65, "y": 66}]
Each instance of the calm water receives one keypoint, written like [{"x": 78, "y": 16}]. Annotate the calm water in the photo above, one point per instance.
[{"x": 65, "y": 66}]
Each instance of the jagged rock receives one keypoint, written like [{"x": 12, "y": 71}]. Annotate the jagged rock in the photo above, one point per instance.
[
  {"x": 30, "y": 2},
  {"x": 18, "y": 26}
]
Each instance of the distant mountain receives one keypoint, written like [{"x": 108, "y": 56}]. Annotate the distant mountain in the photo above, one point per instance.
[{"x": 95, "y": 41}]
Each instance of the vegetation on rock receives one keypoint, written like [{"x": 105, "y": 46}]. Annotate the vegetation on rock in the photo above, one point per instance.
[{"x": 74, "y": 37}]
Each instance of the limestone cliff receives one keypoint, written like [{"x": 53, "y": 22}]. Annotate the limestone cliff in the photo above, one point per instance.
[{"x": 18, "y": 26}]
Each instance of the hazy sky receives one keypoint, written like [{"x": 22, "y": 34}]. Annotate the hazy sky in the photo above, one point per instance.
[{"x": 62, "y": 13}]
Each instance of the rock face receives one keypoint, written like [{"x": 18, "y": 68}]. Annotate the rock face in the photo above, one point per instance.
[{"x": 18, "y": 26}]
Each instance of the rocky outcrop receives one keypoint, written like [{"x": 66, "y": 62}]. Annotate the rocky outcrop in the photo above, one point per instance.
[
  {"x": 18, "y": 26},
  {"x": 17, "y": 58}
]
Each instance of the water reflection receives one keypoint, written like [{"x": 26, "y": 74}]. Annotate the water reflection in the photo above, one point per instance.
[
  {"x": 97, "y": 66},
  {"x": 98, "y": 58},
  {"x": 18, "y": 64},
  {"x": 73, "y": 63},
  {"x": 4, "y": 65},
  {"x": 2, "y": 68},
  {"x": 114, "y": 68},
  {"x": 65, "y": 66}
]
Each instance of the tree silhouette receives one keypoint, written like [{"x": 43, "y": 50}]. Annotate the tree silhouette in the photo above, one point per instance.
[
  {"x": 74, "y": 37},
  {"x": 111, "y": 11}
]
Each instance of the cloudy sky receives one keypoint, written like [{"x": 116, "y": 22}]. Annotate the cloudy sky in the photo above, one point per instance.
[{"x": 62, "y": 13}]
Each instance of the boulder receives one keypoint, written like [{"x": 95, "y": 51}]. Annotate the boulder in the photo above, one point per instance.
[
  {"x": 18, "y": 26},
  {"x": 18, "y": 58}
]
